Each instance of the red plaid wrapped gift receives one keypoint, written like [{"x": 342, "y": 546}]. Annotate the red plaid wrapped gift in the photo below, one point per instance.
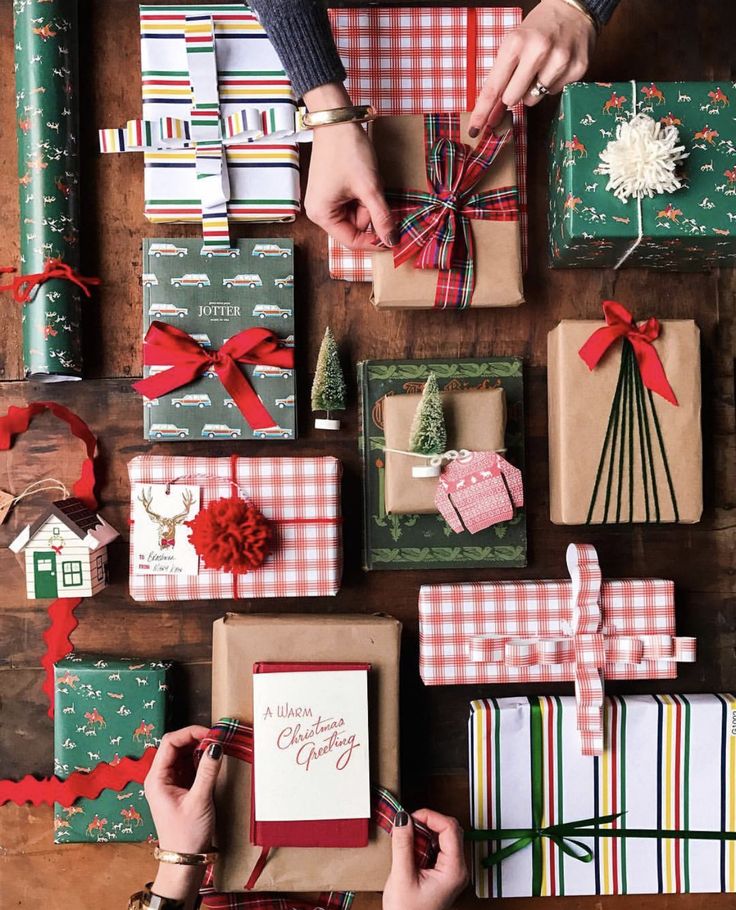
[
  {"x": 580, "y": 630},
  {"x": 300, "y": 497},
  {"x": 419, "y": 61}
]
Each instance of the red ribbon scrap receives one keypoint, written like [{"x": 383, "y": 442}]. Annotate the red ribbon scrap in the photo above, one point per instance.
[
  {"x": 24, "y": 287},
  {"x": 57, "y": 640},
  {"x": 620, "y": 324},
  {"x": 165, "y": 345}
]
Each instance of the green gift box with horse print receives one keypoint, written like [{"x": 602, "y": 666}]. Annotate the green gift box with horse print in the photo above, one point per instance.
[
  {"x": 689, "y": 228},
  {"x": 106, "y": 709}
]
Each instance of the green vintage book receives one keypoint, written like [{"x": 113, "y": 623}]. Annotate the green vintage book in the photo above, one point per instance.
[
  {"x": 106, "y": 709},
  {"x": 212, "y": 296},
  {"x": 426, "y": 541},
  {"x": 690, "y": 229}
]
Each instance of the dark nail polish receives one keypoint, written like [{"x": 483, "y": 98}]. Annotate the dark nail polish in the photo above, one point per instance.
[
  {"x": 393, "y": 238},
  {"x": 473, "y": 132},
  {"x": 214, "y": 751},
  {"x": 401, "y": 820}
]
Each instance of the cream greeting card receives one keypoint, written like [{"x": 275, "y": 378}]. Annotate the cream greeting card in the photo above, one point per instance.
[
  {"x": 160, "y": 536},
  {"x": 310, "y": 732}
]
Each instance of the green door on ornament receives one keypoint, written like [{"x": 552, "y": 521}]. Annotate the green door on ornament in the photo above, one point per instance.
[{"x": 44, "y": 574}]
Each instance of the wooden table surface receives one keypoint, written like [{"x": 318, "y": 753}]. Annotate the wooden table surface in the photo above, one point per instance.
[{"x": 648, "y": 39}]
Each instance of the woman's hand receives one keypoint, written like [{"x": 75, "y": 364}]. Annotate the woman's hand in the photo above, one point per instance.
[
  {"x": 552, "y": 45},
  {"x": 182, "y": 807},
  {"x": 409, "y": 888},
  {"x": 344, "y": 193}
]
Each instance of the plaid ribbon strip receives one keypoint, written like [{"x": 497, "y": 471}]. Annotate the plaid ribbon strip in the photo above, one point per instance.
[
  {"x": 435, "y": 223},
  {"x": 421, "y": 60},
  {"x": 581, "y": 631},
  {"x": 236, "y": 740}
]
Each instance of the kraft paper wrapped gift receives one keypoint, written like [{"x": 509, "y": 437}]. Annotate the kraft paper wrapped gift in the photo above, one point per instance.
[
  {"x": 649, "y": 467},
  {"x": 670, "y": 765},
  {"x": 239, "y": 641},
  {"x": 475, "y": 420},
  {"x": 400, "y": 146}
]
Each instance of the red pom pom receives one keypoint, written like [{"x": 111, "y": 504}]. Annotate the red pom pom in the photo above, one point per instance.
[{"x": 232, "y": 535}]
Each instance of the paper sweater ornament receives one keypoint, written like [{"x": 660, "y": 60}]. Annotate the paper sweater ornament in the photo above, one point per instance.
[
  {"x": 220, "y": 122},
  {"x": 65, "y": 551},
  {"x": 328, "y": 388},
  {"x": 478, "y": 490}
]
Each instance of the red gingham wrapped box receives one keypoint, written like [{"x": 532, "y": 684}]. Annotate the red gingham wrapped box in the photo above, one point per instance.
[
  {"x": 300, "y": 496},
  {"x": 580, "y": 630},
  {"x": 414, "y": 61}
]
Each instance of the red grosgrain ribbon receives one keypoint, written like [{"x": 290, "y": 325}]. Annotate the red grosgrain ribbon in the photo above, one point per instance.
[
  {"x": 236, "y": 740},
  {"x": 61, "y": 611},
  {"x": 435, "y": 225},
  {"x": 166, "y": 345},
  {"x": 24, "y": 286},
  {"x": 49, "y": 790},
  {"x": 620, "y": 324}
]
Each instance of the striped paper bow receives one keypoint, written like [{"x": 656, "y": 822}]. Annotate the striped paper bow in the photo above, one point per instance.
[
  {"x": 587, "y": 644},
  {"x": 435, "y": 225},
  {"x": 206, "y": 131},
  {"x": 236, "y": 740}
]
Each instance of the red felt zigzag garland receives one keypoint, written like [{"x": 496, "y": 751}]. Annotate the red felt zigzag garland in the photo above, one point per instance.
[{"x": 49, "y": 790}]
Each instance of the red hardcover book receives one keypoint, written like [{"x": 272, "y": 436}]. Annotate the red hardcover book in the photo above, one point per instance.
[{"x": 311, "y": 739}]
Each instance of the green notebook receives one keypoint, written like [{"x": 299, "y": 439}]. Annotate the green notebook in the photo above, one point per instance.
[
  {"x": 213, "y": 295},
  {"x": 426, "y": 541}
]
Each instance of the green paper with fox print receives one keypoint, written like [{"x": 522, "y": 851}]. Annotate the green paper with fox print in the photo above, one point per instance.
[
  {"x": 106, "y": 709},
  {"x": 691, "y": 229}
]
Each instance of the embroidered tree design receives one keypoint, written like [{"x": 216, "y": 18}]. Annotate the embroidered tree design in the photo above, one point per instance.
[
  {"x": 428, "y": 433},
  {"x": 328, "y": 388}
]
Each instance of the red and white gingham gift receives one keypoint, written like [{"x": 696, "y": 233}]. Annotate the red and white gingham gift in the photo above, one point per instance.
[
  {"x": 300, "y": 496},
  {"x": 580, "y": 630},
  {"x": 420, "y": 61}
]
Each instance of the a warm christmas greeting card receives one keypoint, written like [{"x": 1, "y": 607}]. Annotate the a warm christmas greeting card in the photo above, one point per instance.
[
  {"x": 160, "y": 536},
  {"x": 310, "y": 732}
]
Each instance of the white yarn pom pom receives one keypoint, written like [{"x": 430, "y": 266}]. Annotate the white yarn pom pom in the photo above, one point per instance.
[{"x": 641, "y": 160}]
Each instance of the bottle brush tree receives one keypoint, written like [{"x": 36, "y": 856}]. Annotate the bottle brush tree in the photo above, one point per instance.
[
  {"x": 328, "y": 388},
  {"x": 428, "y": 432}
]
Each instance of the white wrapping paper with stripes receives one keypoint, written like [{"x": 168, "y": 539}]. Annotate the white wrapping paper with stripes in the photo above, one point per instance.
[
  {"x": 669, "y": 764},
  {"x": 263, "y": 175},
  {"x": 299, "y": 496}
]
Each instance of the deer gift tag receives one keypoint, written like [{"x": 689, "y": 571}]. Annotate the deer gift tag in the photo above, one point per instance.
[{"x": 160, "y": 535}]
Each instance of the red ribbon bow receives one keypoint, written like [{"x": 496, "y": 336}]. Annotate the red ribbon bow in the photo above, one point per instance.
[
  {"x": 166, "y": 345},
  {"x": 24, "y": 286},
  {"x": 620, "y": 324},
  {"x": 436, "y": 223}
]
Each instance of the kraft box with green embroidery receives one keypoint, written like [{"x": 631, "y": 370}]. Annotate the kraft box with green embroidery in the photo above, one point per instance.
[
  {"x": 690, "y": 228},
  {"x": 106, "y": 709},
  {"x": 213, "y": 296},
  {"x": 483, "y": 410}
]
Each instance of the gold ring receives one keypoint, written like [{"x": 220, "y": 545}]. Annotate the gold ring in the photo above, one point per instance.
[{"x": 539, "y": 90}]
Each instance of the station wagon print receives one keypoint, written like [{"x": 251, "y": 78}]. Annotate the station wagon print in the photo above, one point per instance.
[
  {"x": 275, "y": 432},
  {"x": 288, "y": 402},
  {"x": 226, "y": 253},
  {"x": 271, "y": 310},
  {"x": 247, "y": 281},
  {"x": 149, "y": 280},
  {"x": 192, "y": 280},
  {"x": 192, "y": 401},
  {"x": 287, "y": 282},
  {"x": 264, "y": 250},
  {"x": 167, "y": 431},
  {"x": 167, "y": 249},
  {"x": 167, "y": 310},
  {"x": 263, "y": 371},
  {"x": 220, "y": 431}
]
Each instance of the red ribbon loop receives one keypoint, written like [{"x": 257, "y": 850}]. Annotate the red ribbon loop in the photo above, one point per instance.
[
  {"x": 620, "y": 324},
  {"x": 165, "y": 345},
  {"x": 23, "y": 287}
]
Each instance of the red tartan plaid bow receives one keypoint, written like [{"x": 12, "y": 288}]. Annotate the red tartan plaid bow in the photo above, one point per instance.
[
  {"x": 165, "y": 345},
  {"x": 236, "y": 740},
  {"x": 436, "y": 224},
  {"x": 620, "y": 324}
]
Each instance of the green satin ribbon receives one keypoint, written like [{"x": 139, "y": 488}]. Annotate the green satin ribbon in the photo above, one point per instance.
[{"x": 564, "y": 834}]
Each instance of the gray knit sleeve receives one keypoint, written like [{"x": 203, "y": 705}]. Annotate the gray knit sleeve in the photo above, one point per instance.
[
  {"x": 300, "y": 32},
  {"x": 601, "y": 10}
]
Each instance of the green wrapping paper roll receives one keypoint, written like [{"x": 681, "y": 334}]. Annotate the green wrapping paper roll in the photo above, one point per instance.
[{"x": 46, "y": 69}]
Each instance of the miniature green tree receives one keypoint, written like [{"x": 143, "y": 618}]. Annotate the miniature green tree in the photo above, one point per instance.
[
  {"x": 428, "y": 433},
  {"x": 328, "y": 388}
]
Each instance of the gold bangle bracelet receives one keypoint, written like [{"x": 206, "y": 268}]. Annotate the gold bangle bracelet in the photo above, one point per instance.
[
  {"x": 583, "y": 10},
  {"x": 184, "y": 859},
  {"x": 358, "y": 113}
]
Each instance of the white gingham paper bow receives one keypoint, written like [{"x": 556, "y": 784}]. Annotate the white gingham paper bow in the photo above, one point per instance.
[{"x": 586, "y": 643}]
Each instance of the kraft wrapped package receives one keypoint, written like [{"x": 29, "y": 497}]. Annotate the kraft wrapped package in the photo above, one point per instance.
[
  {"x": 475, "y": 420},
  {"x": 580, "y": 402},
  {"x": 239, "y": 641},
  {"x": 400, "y": 146}
]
